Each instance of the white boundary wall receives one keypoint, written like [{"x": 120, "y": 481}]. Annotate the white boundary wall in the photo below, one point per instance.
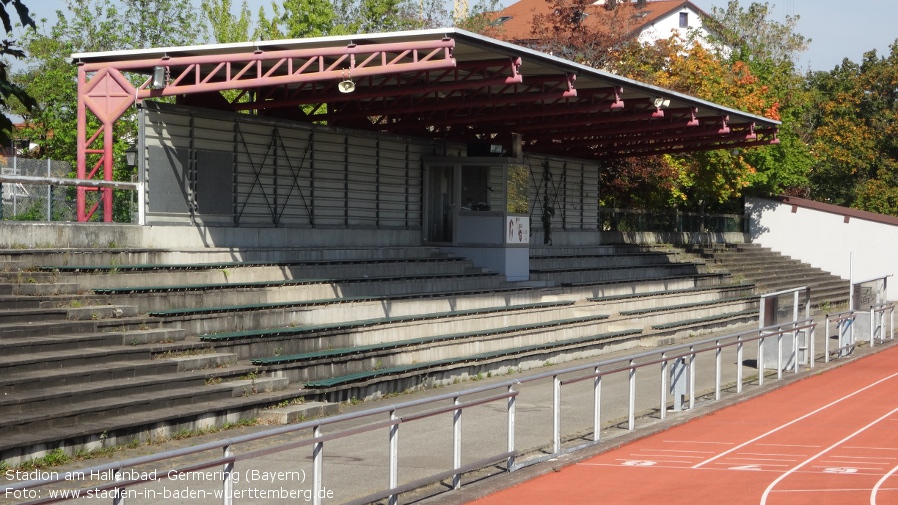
[{"x": 849, "y": 243}]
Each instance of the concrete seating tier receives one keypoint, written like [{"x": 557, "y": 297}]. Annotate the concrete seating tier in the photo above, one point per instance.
[
  {"x": 370, "y": 383},
  {"x": 323, "y": 364},
  {"x": 167, "y": 340},
  {"x": 346, "y": 333},
  {"x": 82, "y": 383}
]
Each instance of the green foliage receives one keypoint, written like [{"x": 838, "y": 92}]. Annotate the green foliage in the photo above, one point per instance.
[
  {"x": 89, "y": 26},
  {"x": 855, "y": 133},
  {"x": 225, "y": 26},
  {"x": 12, "y": 95}
]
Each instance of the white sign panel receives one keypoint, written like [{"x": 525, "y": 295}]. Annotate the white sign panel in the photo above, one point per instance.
[{"x": 517, "y": 230}]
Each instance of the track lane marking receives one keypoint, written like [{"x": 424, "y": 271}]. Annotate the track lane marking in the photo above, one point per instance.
[
  {"x": 812, "y": 458},
  {"x": 797, "y": 420},
  {"x": 879, "y": 484}
]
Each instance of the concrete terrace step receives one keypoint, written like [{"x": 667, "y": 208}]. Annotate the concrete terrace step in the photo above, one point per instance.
[
  {"x": 254, "y": 273},
  {"x": 606, "y": 261},
  {"x": 40, "y": 289},
  {"x": 124, "y": 256},
  {"x": 10, "y": 346},
  {"x": 328, "y": 363},
  {"x": 616, "y": 274},
  {"x": 166, "y": 419},
  {"x": 417, "y": 298},
  {"x": 145, "y": 397},
  {"x": 371, "y": 383},
  {"x": 64, "y": 396}
]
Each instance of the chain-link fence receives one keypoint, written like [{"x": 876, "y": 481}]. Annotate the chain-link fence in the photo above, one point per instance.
[{"x": 36, "y": 202}]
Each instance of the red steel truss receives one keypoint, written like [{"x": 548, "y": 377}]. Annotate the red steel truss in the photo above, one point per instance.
[
  {"x": 460, "y": 88},
  {"x": 105, "y": 91}
]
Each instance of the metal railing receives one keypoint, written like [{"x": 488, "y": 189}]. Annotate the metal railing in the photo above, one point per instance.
[
  {"x": 54, "y": 199},
  {"x": 661, "y": 361},
  {"x": 845, "y": 323},
  {"x": 667, "y": 220}
]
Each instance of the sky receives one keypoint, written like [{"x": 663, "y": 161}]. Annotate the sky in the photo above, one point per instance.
[{"x": 837, "y": 29}]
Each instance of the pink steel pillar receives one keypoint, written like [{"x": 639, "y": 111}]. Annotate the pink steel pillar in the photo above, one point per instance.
[
  {"x": 108, "y": 94},
  {"x": 81, "y": 168}
]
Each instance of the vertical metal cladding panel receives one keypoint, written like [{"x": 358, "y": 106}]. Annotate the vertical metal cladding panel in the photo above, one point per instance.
[
  {"x": 167, "y": 142},
  {"x": 363, "y": 183},
  {"x": 295, "y": 190},
  {"x": 571, "y": 191},
  {"x": 257, "y": 175},
  {"x": 331, "y": 178},
  {"x": 573, "y": 196},
  {"x": 285, "y": 172},
  {"x": 397, "y": 174},
  {"x": 590, "y": 190}
]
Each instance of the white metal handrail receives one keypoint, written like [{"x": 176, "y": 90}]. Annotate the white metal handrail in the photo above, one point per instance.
[
  {"x": 844, "y": 322},
  {"x": 460, "y": 402}
]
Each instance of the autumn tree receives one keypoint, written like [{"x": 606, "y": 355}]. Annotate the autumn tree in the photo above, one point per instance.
[
  {"x": 584, "y": 32},
  {"x": 855, "y": 139},
  {"x": 748, "y": 63}
]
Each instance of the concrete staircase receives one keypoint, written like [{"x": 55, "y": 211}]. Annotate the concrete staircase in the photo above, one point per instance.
[{"x": 771, "y": 271}]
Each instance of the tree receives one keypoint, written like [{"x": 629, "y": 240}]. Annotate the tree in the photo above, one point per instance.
[
  {"x": 8, "y": 89},
  {"x": 318, "y": 18},
  {"x": 90, "y": 26},
  {"x": 855, "y": 130},
  {"x": 583, "y": 32},
  {"x": 224, "y": 25}
]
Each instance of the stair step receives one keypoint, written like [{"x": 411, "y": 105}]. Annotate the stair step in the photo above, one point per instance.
[
  {"x": 94, "y": 410},
  {"x": 65, "y": 395},
  {"x": 146, "y": 426},
  {"x": 29, "y": 345}
]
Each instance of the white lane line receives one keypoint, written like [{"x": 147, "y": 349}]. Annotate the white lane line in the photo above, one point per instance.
[
  {"x": 763, "y": 459},
  {"x": 812, "y": 458},
  {"x": 799, "y": 419},
  {"x": 678, "y": 451},
  {"x": 879, "y": 484},
  {"x": 790, "y": 445},
  {"x": 769, "y": 454},
  {"x": 874, "y": 458}
]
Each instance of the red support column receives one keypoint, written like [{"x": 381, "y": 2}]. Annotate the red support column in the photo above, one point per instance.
[{"x": 81, "y": 161}]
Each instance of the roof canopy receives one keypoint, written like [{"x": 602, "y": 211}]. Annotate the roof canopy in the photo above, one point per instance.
[{"x": 443, "y": 83}]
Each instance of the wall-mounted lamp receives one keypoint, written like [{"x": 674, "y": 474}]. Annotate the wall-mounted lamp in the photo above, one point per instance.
[
  {"x": 158, "y": 77},
  {"x": 131, "y": 156},
  {"x": 660, "y": 102},
  {"x": 346, "y": 85}
]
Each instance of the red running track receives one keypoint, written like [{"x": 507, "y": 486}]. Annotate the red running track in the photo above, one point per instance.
[{"x": 829, "y": 439}]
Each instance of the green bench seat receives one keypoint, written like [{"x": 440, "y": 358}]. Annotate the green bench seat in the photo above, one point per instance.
[
  {"x": 278, "y": 283},
  {"x": 384, "y": 372},
  {"x": 647, "y": 294},
  {"x": 362, "y": 323},
  {"x": 145, "y": 267},
  {"x": 632, "y": 281},
  {"x": 707, "y": 303},
  {"x": 707, "y": 319},
  {"x": 349, "y": 351},
  {"x": 192, "y": 311}
]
